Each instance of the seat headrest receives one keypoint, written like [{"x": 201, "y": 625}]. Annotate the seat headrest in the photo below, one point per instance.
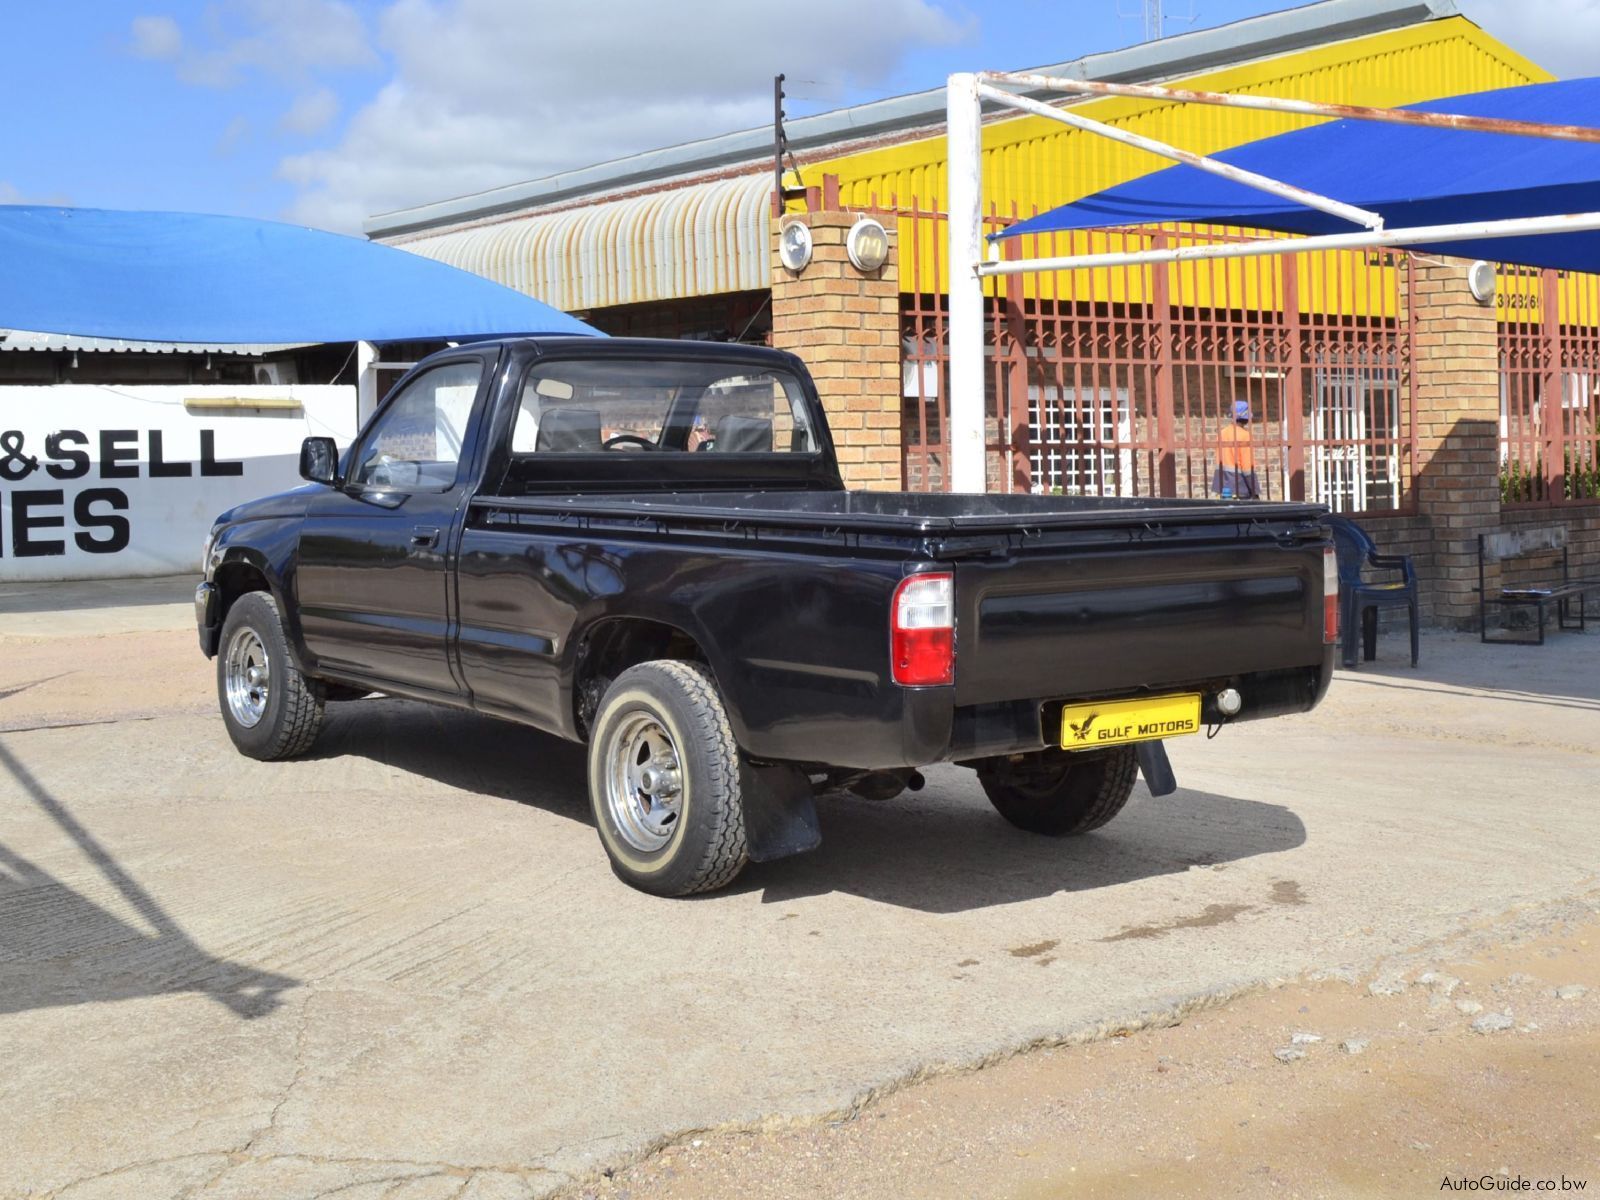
[
  {"x": 569, "y": 430},
  {"x": 744, "y": 435}
]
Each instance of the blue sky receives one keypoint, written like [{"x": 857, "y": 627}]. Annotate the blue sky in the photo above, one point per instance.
[{"x": 325, "y": 111}]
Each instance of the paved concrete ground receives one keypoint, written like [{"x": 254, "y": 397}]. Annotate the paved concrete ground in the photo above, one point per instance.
[
  {"x": 94, "y": 607},
  {"x": 402, "y": 967}
]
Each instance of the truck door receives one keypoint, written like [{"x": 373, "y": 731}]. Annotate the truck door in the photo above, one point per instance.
[{"x": 374, "y": 574}]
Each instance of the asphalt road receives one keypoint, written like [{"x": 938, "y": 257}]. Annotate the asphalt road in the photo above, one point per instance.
[{"x": 401, "y": 967}]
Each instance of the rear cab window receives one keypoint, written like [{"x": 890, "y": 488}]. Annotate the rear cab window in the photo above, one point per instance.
[{"x": 658, "y": 406}]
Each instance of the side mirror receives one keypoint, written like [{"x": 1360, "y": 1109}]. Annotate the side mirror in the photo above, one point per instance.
[{"x": 319, "y": 460}]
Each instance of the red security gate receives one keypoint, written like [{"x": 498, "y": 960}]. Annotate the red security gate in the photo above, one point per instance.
[
  {"x": 1117, "y": 381},
  {"x": 1549, "y": 376}
]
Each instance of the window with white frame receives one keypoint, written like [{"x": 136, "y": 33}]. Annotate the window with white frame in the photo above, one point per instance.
[{"x": 1080, "y": 439}]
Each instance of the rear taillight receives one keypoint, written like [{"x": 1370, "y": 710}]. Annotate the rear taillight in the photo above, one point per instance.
[
  {"x": 1330, "y": 596},
  {"x": 922, "y": 631}
]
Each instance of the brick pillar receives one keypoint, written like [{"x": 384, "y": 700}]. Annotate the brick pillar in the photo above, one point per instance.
[
  {"x": 845, "y": 324},
  {"x": 1456, "y": 361}
]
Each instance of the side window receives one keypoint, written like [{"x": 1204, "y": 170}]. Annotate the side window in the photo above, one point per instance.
[{"x": 416, "y": 444}]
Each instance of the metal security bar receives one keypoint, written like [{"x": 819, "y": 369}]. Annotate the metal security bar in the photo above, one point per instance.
[
  {"x": 1549, "y": 379},
  {"x": 1118, "y": 381}
]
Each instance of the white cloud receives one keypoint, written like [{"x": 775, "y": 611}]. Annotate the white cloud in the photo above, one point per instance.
[
  {"x": 235, "y": 134},
  {"x": 11, "y": 194},
  {"x": 156, "y": 37},
  {"x": 490, "y": 92},
  {"x": 285, "y": 39},
  {"x": 311, "y": 113},
  {"x": 1559, "y": 35}
]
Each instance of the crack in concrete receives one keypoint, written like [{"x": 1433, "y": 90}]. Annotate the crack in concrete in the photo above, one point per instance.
[
  {"x": 61, "y": 1190},
  {"x": 294, "y": 1080},
  {"x": 1528, "y": 920},
  {"x": 236, "y": 1159}
]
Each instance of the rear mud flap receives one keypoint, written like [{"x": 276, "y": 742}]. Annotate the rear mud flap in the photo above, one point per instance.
[
  {"x": 1156, "y": 769},
  {"x": 780, "y": 815}
]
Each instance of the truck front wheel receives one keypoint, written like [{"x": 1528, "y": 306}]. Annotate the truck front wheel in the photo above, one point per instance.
[
  {"x": 271, "y": 710},
  {"x": 665, "y": 780},
  {"x": 1061, "y": 794}
]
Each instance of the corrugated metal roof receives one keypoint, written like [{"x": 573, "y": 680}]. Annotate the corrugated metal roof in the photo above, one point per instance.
[
  {"x": 19, "y": 339},
  {"x": 1185, "y": 54},
  {"x": 699, "y": 237},
  {"x": 692, "y": 241}
]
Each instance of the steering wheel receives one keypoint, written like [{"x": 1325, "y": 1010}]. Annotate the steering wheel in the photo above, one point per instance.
[{"x": 629, "y": 439}]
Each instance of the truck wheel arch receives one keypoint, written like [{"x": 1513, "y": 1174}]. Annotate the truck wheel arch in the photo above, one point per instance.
[
  {"x": 242, "y": 573},
  {"x": 235, "y": 578},
  {"x": 611, "y": 645}
]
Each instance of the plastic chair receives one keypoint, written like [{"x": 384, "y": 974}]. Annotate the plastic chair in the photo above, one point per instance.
[{"x": 1359, "y": 599}]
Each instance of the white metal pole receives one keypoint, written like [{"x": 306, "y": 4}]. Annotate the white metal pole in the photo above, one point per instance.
[
  {"x": 366, "y": 382},
  {"x": 1304, "y": 108},
  {"x": 1262, "y": 183},
  {"x": 964, "y": 130}
]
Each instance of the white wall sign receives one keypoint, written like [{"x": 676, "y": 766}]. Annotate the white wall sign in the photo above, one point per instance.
[{"x": 107, "y": 482}]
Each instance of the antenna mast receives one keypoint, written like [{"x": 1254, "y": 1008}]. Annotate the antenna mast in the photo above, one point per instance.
[{"x": 1155, "y": 15}]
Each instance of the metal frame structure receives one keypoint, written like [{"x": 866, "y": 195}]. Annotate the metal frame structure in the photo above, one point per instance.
[
  {"x": 965, "y": 96},
  {"x": 1319, "y": 344}
]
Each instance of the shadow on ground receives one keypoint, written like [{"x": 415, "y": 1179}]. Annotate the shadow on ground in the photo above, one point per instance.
[
  {"x": 58, "y": 947},
  {"x": 1564, "y": 672},
  {"x": 943, "y": 850},
  {"x": 951, "y": 852},
  {"x": 461, "y": 750},
  {"x": 96, "y": 593}
]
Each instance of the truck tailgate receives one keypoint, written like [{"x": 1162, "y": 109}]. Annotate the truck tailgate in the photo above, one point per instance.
[{"x": 1146, "y": 615}]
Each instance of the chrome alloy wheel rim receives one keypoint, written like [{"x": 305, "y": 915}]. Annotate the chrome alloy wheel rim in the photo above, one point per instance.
[
  {"x": 246, "y": 677},
  {"x": 644, "y": 782}
]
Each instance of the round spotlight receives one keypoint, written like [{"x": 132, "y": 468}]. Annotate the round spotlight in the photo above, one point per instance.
[
  {"x": 1480, "y": 280},
  {"x": 1229, "y": 702},
  {"x": 867, "y": 244},
  {"x": 794, "y": 246}
]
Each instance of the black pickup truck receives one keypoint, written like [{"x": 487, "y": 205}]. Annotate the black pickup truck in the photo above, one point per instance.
[{"x": 647, "y": 546}]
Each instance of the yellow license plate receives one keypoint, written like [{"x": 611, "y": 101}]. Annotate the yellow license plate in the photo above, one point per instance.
[{"x": 1112, "y": 722}]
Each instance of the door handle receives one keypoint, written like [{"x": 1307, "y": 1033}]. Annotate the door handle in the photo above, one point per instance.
[{"x": 424, "y": 536}]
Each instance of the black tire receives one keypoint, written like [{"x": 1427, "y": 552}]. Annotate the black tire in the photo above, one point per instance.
[
  {"x": 700, "y": 824},
  {"x": 1060, "y": 794},
  {"x": 290, "y": 710}
]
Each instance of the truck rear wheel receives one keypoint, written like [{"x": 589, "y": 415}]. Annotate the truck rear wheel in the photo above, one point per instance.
[
  {"x": 665, "y": 781},
  {"x": 271, "y": 710},
  {"x": 1061, "y": 794}
]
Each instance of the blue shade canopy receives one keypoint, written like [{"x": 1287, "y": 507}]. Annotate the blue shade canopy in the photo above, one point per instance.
[
  {"x": 1413, "y": 176},
  {"x": 184, "y": 277}
]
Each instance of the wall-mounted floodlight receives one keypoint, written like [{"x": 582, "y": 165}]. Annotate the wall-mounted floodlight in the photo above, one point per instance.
[
  {"x": 794, "y": 246},
  {"x": 1480, "y": 279},
  {"x": 867, "y": 244}
]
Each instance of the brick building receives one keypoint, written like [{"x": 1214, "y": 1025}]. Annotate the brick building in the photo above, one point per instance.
[{"x": 1379, "y": 385}]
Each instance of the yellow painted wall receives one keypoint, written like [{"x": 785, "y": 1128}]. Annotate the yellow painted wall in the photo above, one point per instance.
[{"x": 1031, "y": 164}]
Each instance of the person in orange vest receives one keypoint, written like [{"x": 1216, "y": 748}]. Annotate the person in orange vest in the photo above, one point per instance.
[{"x": 1235, "y": 477}]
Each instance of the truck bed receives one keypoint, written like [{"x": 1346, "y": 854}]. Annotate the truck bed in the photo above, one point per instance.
[
  {"x": 921, "y": 513},
  {"x": 1058, "y": 598}
]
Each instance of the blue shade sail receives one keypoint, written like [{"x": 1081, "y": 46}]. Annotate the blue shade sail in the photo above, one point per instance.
[
  {"x": 185, "y": 277},
  {"x": 1413, "y": 176}
]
